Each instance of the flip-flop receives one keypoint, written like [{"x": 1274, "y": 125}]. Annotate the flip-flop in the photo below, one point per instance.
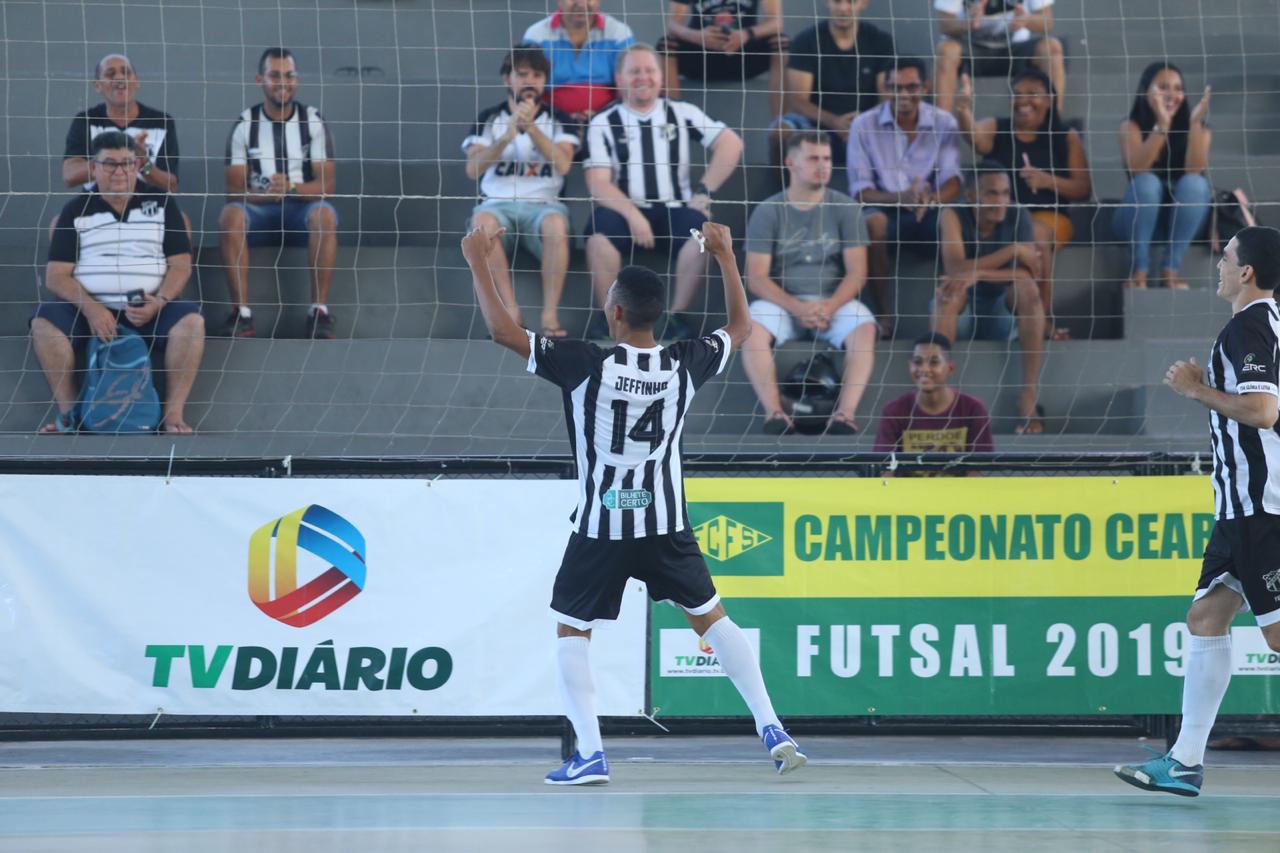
[
  {"x": 1037, "y": 417},
  {"x": 63, "y": 424},
  {"x": 554, "y": 332},
  {"x": 840, "y": 426},
  {"x": 776, "y": 425},
  {"x": 166, "y": 429}
]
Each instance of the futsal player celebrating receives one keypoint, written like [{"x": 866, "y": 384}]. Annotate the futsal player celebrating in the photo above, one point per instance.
[
  {"x": 626, "y": 406},
  {"x": 1242, "y": 561}
]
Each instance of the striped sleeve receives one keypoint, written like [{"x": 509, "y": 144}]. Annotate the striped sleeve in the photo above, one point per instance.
[
  {"x": 707, "y": 130},
  {"x": 238, "y": 143},
  {"x": 321, "y": 141},
  {"x": 599, "y": 154}
]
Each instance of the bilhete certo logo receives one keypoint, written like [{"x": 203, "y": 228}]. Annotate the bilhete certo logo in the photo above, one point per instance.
[{"x": 313, "y": 530}]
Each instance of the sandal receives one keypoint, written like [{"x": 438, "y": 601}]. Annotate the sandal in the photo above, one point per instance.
[
  {"x": 777, "y": 424},
  {"x": 1033, "y": 423},
  {"x": 63, "y": 424},
  {"x": 840, "y": 425},
  {"x": 554, "y": 330},
  {"x": 1057, "y": 333}
]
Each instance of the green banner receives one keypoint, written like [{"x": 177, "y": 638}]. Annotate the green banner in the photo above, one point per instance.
[{"x": 921, "y": 656}]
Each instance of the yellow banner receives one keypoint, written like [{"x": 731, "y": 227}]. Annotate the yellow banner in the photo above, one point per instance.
[{"x": 952, "y": 538}]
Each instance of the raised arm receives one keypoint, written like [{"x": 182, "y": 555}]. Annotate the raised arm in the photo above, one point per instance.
[
  {"x": 719, "y": 243},
  {"x": 726, "y": 151},
  {"x": 476, "y": 247}
]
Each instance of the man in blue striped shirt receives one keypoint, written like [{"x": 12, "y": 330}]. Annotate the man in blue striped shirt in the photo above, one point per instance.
[{"x": 583, "y": 46}]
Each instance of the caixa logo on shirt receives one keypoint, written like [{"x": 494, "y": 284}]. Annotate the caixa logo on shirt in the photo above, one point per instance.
[
  {"x": 1250, "y": 366},
  {"x": 627, "y": 499}
]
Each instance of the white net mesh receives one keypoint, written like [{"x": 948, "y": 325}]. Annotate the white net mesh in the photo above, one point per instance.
[{"x": 400, "y": 84}]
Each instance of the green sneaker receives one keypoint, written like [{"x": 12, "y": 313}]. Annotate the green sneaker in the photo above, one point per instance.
[{"x": 1166, "y": 774}]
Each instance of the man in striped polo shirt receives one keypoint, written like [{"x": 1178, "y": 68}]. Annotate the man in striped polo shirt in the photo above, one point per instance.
[
  {"x": 280, "y": 168},
  {"x": 120, "y": 254},
  {"x": 582, "y": 45}
]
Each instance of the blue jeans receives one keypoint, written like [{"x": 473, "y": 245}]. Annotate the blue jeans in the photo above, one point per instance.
[{"x": 1146, "y": 210}]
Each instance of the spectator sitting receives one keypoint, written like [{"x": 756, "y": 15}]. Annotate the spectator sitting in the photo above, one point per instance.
[
  {"x": 835, "y": 71},
  {"x": 1000, "y": 37},
  {"x": 934, "y": 418},
  {"x": 582, "y": 46},
  {"x": 806, "y": 264},
  {"x": 637, "y": 171},
  {"x": 725, "y": 40},
  {"x": 991, "y": 265},
  {"x": 1165, "y": 148},
  {"x": 94, "y": 291},
  {"x": 153, "y": 135},
  {"x": 1045, "y": 159},
  {"x": 520, "y": 150},
  {"x": 279, "y": 169},
  {"x": 904, "y": 160}
]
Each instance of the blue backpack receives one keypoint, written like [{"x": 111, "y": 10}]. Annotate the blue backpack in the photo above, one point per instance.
[{"x": 118, "y": 394}]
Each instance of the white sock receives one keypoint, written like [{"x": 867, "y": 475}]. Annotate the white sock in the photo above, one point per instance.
[
  {"x": 573, "y": 675},
  {"x": 738, "y": 660},
  {"x": 245, "y": 313},
  {"x": 1208, "y": 674},
  {"x": 316, "y": 306}
]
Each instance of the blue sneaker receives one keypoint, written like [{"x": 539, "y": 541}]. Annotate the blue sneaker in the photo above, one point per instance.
[
  {"x": 580, "y": 771},
  {"x": 783, "y": 750},
  {"x": 1165, "y": 773}
]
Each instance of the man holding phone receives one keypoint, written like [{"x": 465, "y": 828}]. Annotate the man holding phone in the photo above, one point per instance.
[{"x": 132, "y": 272}]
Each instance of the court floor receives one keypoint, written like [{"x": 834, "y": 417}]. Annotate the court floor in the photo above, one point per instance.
[{"x": 668, "y": 794}]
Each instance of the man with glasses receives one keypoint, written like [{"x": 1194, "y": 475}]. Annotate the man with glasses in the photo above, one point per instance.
[
  {"x": 152, "y": 133},
  {"x": 904, "y": 161},
  {"x": 279, "y": 170},
  {"x": 120, "y": 255}
]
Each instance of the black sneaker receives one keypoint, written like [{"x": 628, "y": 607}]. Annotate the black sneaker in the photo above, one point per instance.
[
  {"x": 680, "y": 327},
  {"x": 320, "y": 326},
  {"x": 598, "y": 328},
  {"x": 236, "y": 326}
]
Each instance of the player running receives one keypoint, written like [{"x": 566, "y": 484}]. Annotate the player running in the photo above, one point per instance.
[
  {"x": 626, "y": 407},
  {"x": 1242, "y": 561}
]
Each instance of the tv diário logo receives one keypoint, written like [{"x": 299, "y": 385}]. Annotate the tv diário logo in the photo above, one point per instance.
[{"x": 312, "y": 530}]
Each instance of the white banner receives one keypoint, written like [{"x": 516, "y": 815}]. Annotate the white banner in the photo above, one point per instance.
[{"x": 127, "y": 595}]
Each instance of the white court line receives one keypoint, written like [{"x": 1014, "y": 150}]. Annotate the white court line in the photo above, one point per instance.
[
  {"x": 641, "y": 830},
  {"x": 1122, "y": 794}
]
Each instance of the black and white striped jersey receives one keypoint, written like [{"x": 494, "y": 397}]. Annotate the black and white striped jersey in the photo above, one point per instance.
[
  {"x": 522, "y": 173},
  {"x": 649, "y": 155},
  {"x": 625, "y": 409},
  {"x": 288, "y": 147},
  {"x": 116, "y": 253},
  {"x": 1246, "y": 460},
  {"x": 162, "y": 134}
]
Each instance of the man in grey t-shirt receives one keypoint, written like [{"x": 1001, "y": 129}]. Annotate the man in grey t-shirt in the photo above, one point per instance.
[{"x": 806, "y": 265}]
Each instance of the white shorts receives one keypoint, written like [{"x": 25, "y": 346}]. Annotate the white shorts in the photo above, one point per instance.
[{"x": 779, "y": 322}]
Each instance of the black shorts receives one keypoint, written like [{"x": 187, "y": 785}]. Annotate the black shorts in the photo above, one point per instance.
[
  {"x": 1005, "y": 61},
  {"x": 670, "y": 227},
  {"x": 594, "y": 575},
  {"x": 1244, "y": 555},
  {"x": 697, "y": 63}
]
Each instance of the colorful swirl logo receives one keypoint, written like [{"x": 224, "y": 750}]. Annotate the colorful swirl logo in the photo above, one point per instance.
[{"x": 317, "y": 531}]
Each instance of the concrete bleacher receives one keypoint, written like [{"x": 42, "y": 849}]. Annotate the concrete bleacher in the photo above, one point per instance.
[{"x": 400, "y": 84}]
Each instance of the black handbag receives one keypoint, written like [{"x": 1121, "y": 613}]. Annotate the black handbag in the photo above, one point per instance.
[{"x": 1231, "y": 212}]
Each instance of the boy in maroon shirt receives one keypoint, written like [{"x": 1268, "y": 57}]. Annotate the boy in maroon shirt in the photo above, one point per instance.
[{"x": 934, "y": 418}]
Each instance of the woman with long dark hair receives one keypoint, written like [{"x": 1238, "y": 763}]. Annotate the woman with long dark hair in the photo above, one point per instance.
[
  {"x": 1046, "y": 162},
  {"x": 1165, "y": 148}
]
